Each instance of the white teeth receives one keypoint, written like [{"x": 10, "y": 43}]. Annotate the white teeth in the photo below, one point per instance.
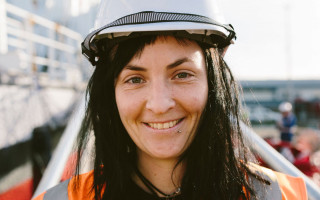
[
  {"x": 163, "y": 125},
  {"x": 166, "y": 125}
]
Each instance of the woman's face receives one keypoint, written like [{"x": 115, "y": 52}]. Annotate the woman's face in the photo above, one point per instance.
[{"x": 161, "y": 94}]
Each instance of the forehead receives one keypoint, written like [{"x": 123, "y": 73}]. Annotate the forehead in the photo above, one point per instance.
[{"x": 124, "y": 53}]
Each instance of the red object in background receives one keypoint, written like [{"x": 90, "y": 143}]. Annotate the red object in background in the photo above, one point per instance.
[
  {"x": 301, "y": 162},
  {"x": 304, "y": 165},
  {"x": 23, "y": 191}
]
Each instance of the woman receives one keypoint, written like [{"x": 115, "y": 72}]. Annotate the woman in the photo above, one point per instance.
[{"x": 164, "y": 109}]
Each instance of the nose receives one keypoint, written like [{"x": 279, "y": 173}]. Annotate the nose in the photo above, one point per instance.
[{"x": 160, "y": 97}]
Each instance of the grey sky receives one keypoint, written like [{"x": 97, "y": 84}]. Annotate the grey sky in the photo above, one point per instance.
[{"x": 260, "y": 52}]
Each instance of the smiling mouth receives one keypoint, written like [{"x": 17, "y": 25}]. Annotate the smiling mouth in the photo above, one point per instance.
[{"x": 165, "y": 125}]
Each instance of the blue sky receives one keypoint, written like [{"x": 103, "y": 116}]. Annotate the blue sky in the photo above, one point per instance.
[{"x": 277, "y": 39}]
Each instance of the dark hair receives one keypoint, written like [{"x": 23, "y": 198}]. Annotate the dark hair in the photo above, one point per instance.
[{"x": 216, "y": 159}]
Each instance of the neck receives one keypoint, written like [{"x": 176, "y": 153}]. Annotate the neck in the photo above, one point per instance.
[{"x": 161, "y": 173}]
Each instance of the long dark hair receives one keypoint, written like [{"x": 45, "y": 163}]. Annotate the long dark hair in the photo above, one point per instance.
[{"x": 216, "y": 159}]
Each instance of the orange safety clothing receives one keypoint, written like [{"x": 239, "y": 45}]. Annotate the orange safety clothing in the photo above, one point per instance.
[{"x": 283, "y": 187}]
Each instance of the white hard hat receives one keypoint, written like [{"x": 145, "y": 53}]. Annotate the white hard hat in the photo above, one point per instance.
[
  {"x": 285, "y": 107},
  {"x": 200, "y": 19}
]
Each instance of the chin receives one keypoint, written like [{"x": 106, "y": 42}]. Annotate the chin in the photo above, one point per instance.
[{"x": 166, "y": 154}]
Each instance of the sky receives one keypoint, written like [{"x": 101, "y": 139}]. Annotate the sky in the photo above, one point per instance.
[{"x": 276, "y": 39}]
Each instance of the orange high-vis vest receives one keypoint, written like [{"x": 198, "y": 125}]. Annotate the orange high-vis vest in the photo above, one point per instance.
[{"x": 282, "y": 187}]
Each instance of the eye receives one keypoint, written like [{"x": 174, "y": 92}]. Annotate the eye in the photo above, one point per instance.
[
  {"x": 182, "y": 75},
  {"x": 135, "y": 80}
]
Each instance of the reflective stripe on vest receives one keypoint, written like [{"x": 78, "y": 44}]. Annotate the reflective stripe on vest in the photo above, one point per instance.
[
  {"x": 60, "y": 192},
  {"x": 263, "y": 191}
]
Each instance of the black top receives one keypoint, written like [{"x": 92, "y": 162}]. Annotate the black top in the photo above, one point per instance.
[{"x": 135, "y": 192}]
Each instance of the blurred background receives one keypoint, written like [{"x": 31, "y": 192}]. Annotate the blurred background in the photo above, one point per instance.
[{"x": 275, "y": 58}]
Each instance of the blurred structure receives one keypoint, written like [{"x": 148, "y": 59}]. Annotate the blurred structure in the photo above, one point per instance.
[
  {"x": 269, "y": 94},
  {"x": 42, "y": 75},
  {"x": 34, "y": 47},
  {"x": 39, "y": 60}
]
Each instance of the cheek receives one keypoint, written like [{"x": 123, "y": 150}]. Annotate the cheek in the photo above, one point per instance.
[
  {"x": 195, "y": 98},
  {"x": 123, "y": 107},
  {"x": 128, "y": 105}
]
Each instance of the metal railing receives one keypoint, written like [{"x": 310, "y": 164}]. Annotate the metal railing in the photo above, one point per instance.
[
  {"x": 54, "y": 170},
  {"x": 274, "y": 159},
  {"x": 40, "y": 42}
]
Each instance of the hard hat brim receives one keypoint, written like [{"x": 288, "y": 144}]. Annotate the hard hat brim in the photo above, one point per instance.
[
  {"x": 149, "y": 21},
  {"x": 190, "y": 27}
]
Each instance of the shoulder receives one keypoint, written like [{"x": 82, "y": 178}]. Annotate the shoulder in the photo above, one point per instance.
[
  {"x": 281, "y": 186},
  {"x": 74, "y": 188},
  {"x": 292, "y": 187}
]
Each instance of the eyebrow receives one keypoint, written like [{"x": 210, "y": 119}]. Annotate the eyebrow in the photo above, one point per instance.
[
  {"x": 135, "y": 68},
  {"x": 170, "y": 66},
  {"x": 178, "y": 62}
]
